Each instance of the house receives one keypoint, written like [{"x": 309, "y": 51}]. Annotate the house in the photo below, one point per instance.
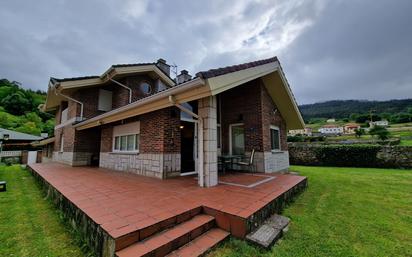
[
  {"x": 331, "y": 130},
  {"x": 306, "y": 132},
  {"x": 136, "y": 118},
  {"x": 350, "y": 128},
  {"x": 14, "y": 140},
  {"x": 14, "y": 146},
  {"x": 380, "y": 123}
]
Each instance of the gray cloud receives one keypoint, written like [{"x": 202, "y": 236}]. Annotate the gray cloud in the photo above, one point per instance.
[{"x": 329, "y": 49}]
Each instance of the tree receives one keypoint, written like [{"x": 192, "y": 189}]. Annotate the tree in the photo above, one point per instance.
[
  {"x": 359, "y": 132},
  {"x": 17, "y": 103},
  {"x": 381, "y": 132}
]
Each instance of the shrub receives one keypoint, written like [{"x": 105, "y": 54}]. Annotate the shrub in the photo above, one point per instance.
[{"x": 360, "y": 155}]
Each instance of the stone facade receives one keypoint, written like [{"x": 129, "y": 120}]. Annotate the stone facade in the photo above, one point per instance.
[
  {"x": 207, "y": 112},
  {"x": 160, "y": 165}
]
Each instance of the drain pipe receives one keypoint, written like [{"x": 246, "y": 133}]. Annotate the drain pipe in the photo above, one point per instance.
[
  {"x": 199, "y": 122},
  {"x": 72, "y": 99},
  {"x": 128, "y": 88}
]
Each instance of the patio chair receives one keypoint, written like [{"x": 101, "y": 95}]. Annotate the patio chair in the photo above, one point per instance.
[{"x": 248, "y": 162}]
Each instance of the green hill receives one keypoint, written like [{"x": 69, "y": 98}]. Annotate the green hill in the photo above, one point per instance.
[
  {"x": 341, "y": 109},
  {"x": 19, "y": 109}
]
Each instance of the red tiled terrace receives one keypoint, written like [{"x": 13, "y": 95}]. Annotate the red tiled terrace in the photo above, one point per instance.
[{"x": 122, "y": 203}]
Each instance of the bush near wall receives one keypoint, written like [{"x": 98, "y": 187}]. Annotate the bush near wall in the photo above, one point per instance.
[
  {"x": 347, "y": 155},
  {"x": 354, "y": 155}
]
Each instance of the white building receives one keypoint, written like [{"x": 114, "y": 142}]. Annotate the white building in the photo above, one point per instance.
[
  {"x": 331, "y": 130},
  {"x": 306, "y": 132},
  {"x": 381, "y": 123}
]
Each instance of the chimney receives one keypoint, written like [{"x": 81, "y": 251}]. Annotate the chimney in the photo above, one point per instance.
[
  {"x": 161, "y": 64},
  {"x": 183, "y": 76}
]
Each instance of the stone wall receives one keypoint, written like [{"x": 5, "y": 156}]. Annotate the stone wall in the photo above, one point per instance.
[
  {"x": 387, "y": 156},
  {"x": 157, "y": 165}
]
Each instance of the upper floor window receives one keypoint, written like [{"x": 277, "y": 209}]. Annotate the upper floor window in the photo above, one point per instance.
[
  {"x": 275, "y": 138},
  {"x": 105, "y": 100},
  {"x": 146, "y": 88}
]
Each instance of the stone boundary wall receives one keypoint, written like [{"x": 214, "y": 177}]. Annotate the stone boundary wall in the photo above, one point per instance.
[
  {"x": 73, "y": 158},
  {"x": 96, "y": 238},
  {"x": 389, "y": 156},
  {"x": 157, "y": 165}
]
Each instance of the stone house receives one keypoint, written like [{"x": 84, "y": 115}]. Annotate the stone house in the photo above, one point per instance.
[{"x": 136, "y": 118}]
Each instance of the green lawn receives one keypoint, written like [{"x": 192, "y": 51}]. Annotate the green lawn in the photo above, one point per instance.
[
  {"x": 29, "y": 224},
  {"x": 344, "y": 212}
]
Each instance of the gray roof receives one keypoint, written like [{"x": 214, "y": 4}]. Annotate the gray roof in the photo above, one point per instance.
[{"x": 14, "y": 135}]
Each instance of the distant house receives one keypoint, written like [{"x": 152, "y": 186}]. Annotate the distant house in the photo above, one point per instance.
[
  {"x": 381, "y": 123},
  {"x": 350, "y": 128},
  {"x": 305, "y": 132},
  {"x": 330, "y": 120},
  {"x": 16, "y": 140},
  {"x": 331, "y": 130}
]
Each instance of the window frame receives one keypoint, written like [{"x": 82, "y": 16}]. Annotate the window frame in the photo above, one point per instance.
[
  {"x": 150, "y": 87},
  {"x": 136, "y": 143},
  {"x": 279, "y": 149}
]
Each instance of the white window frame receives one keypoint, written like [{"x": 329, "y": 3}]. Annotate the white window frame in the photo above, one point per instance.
[
  {"x": 136, "y": 150},
  {"x": 230, "y": 135},
  {"x": 272, "y": 127}
]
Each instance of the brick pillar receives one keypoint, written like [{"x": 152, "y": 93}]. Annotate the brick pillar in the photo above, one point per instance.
[{"x": 207, "y": 112}]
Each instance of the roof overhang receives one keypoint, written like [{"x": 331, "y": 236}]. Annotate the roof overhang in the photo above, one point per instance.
[
  {"x": 271, "y": 75},
  {"x": 275, "y": 83},
  {"x": 43, "y": 142},
  {"x": 66, "y": 86},
  {"x": 189, "y": 91}
]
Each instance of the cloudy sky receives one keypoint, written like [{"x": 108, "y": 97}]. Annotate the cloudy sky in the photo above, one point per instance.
[{"x": 329, "y": 49}]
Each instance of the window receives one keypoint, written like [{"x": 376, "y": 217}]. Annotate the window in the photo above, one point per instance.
[
  {"x": 146, "y": 88},
  {"x": 126, "y": 143},
  {"x": 61, "y": 142},
  {"x": 237, "y": 139},
  {"x": 105, "y": 100},
  {"x": 274, "y": 138},
  {"x": 219, "y": 136},
  {"x": 126, "y": 137}
]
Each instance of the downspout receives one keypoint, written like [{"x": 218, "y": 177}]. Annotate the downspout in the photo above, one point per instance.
[
  {"x": 128, "y": 88},
  {"x": 199, "y": 122},
  {"x": 72, "y": 99}
]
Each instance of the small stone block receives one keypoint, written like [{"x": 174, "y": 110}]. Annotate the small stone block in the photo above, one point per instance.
[
  {"x": 278, "y": 221},
  {"x": 264, "y": 236}
]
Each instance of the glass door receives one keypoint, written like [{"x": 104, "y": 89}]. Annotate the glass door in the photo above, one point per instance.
[{"x": 237, "y": 139}]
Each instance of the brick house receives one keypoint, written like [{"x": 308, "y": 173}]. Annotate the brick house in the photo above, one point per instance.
[{"x": 136, "y": 118}]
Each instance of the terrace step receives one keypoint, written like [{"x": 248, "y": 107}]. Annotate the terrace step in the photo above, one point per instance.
[
  {"x": 270, "y": 231},
  {"x": 202, "y": 244},
  {"x": 164, "y": 242}
]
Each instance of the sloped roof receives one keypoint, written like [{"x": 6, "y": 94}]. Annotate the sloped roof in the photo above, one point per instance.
[
  {"x": 14, "y": 135},
  {"x": 229, "y": 69}
]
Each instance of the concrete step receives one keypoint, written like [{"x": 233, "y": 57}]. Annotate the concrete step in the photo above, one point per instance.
[
  {"x": 166, "y": 241},
  {"x": 270, "y": 231},
  {"x": 202, "y": 244}
]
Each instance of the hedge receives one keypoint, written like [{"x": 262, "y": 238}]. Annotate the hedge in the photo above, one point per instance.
[{"x": 360, "y": 155}]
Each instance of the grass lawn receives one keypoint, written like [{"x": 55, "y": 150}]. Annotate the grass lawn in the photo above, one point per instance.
[
  {"x": 29, "y": 224},
  {"x": 344, "y": 212}
]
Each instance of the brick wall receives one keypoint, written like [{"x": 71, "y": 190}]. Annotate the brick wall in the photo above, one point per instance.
[
  {"x": 242, "y": 105},
  {"x": 271, "y": 118},
  {"x": 251, "y": 105}
]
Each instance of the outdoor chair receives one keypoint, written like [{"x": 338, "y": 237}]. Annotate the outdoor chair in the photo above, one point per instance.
[{"x": 248, "y": 162}]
